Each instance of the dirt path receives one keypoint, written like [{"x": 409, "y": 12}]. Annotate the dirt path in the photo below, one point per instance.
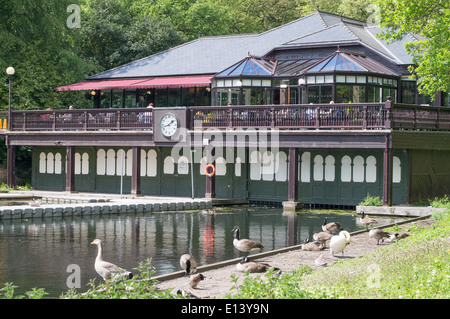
[{"x": 218, "y": 282}]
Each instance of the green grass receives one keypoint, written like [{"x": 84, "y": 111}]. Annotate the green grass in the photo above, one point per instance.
[{"x": 415, "y": 267}]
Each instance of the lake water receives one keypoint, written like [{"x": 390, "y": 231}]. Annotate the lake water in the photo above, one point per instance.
[{"x": 37, "y": 252}]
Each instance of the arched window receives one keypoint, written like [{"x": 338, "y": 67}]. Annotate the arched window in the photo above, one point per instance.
[
  {"x": 305, "y": 170},
  {"x": 77, "y": 164},
  {"x": 267, "y": 166},
  {"x": 183, "y": 165},
  {"x": 203, "y": 166},
  {"x": 143, "y": 163},
  {"x": 371, "y": 169},
  {"x": 358, "y": 169},
  {"x": 346, "y": 169},
  {"x": 329, "y": 168},
  {"x": 396, "y": 170},
  {"x": 318, "y": 168},
  {"x": 101, "y": 162},
  {"x": 111, "y": 162},
  {"x": 221, "y": 166},
  {"x": 169, "y": 165},
  {"x": 255, "y": 166},
  {"x": 281, "y": 167},
  {"x": 237, "y": 167},
  {"x": 121, "y": 162},
  {"x": 50, "y": 163},
  {"x": 58, "y": 163},
  {"x": 152, "y": 163},
  {"x": 129, "y": 163},
  {"x": 42, "y": 163}
]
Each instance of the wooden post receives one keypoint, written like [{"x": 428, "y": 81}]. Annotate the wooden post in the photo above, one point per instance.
[
  {"x": 136, "y": 171},
  {"x": 210, "y": 191},
  {"x": 387, "y": 172},
  {"x": 11, "y": 164},
  {"x": 70, "y": 169},
  {"x": 293, "y": 175}
]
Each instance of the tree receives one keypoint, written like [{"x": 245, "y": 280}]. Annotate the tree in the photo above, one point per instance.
[
  {"x": 427, "y": 22},
  {"x": 112, "y": 35}
]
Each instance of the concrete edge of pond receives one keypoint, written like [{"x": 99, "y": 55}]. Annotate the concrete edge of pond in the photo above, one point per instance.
[{"x": 233, "y": 261}]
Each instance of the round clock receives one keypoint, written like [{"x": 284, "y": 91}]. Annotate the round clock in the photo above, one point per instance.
[{"x": 168, "y": 124}]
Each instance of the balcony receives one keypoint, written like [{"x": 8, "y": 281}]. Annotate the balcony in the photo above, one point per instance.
[{"x": 353, "y": 116}]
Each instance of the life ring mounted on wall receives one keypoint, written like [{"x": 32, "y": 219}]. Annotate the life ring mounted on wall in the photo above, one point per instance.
[{"x": 210, "y": 170}]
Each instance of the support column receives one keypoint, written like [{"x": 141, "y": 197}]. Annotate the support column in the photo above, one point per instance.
[
  {"x": 11, "y": 164},
  {"x": 70, "y": 169},
  {"x": 387, "y": 172},
  {"x": 136, "y": 171},
  {"x": 292, "y": 202},
  {"x": 210, "y": 191}
]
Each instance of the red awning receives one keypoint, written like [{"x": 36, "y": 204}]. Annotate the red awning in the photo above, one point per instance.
[{"x": 146, "y": 83}]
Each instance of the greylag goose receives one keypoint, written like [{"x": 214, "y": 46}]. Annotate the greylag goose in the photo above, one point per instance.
[
  {"x": 106, "y": 269},
  {"x": 332, "y": 227},
  {"x": 194, "y": 280},
  {"x": 188, "y": 263},
  {"x": 253, "y": 267},
  {"x": 378, "y": 235},
  {"x": 312, "y": 246},
  {"x": 366, "y": 220},
  {"x": 339, "y": 242},
  {"x": 245, "y": 245},
  {"x": 322, "y": 237}
]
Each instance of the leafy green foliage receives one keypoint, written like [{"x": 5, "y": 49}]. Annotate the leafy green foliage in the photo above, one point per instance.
[
  {"x": 371, "y": 201},
  {"x": 426, "y": 22}
]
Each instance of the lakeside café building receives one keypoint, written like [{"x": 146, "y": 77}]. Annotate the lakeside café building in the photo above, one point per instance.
[{"x": 319, "y": 111}]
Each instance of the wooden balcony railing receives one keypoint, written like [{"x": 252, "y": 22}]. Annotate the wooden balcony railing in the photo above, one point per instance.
[{"x": 300, "y": 116}]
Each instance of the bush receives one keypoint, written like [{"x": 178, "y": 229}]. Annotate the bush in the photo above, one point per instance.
[{"x": 371, "y": 201}]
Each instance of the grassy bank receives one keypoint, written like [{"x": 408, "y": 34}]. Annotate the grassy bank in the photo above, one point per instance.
[{"x": 415, "y": 267}]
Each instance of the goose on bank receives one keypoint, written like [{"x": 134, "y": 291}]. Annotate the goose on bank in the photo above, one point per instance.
[
  {"x": 245, "y": 245},
  {"x": 253, "y": 267},
  {"x": 106, "y": 269},
  {"x": 332, "y": 227},
  {"x": 324, "y": 261},
  {"x": 322, "y": 237},
  {"x": 188, "y": 263},
  {"x": 398, "y": 236},
  {"x": 366, "y": 220},
  {"x": 339, "y": 242},
  {"x": 378, "y": 235},
  {"x": 194, "y": 280},
  {"x": 312, "y": 246}
]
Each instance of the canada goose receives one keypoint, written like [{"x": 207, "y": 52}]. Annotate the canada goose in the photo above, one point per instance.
[
  {"x": 332, "y": 227},
  {"x": 322, "y": 237},
  {"x": 253, "y": 267},
  {"x": 106, "y": 269},
  {"x": 378, "y": 235},
  {"x": 312, "y": 246},
  {"x": 195, "y": 279},
  {"x": 398, "y": 236},
  {"x": 188, "y": 263},
  {"x": 208, "y": 211},
  {"x": 324, "y": 261},
  {"x": 245, "y": 245},
  {"x": 339, "y": 242},
  {"x": 366, "y": 220}
]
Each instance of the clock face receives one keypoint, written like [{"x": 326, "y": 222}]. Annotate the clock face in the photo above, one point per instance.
[{"x": 169, "y": 125}]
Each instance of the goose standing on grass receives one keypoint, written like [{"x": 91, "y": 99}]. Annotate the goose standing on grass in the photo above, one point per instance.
[
  {"x": 312, "y": 246},
  {"x": 245, "y": 245},
  {"x": 188, "y": 263},
  {"x": 106, "y": 269},
  {"x": 332, "y": 227},
  {"x": 194, "y": 280},
  {"x": 339, "y": 242},
  {"x": 378, "y": 235},
  {"x": 366, "y": 220},
  {"x": 253, "y": 267},
  {"x": 322, "y": 237},
  {"x": 398, "y": 236}
]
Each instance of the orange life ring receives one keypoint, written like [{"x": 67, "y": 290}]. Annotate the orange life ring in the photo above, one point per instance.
[{"x": 208, "y": 173}]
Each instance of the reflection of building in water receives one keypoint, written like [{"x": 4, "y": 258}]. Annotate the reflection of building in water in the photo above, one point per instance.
[{"x": 208, "y": 239}]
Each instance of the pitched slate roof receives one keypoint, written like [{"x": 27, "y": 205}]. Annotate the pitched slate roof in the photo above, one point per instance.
[{"x": 210, "y": 55}]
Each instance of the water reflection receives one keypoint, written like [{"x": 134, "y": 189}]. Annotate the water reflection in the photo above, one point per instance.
[{"x": 36, "y": 253}]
